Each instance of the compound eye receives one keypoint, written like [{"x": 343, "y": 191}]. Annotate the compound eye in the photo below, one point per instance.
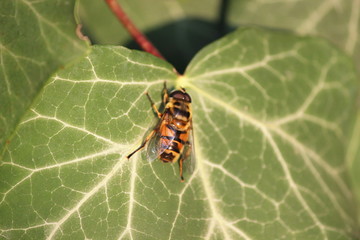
[
  {"x": 180, "y": 95},
  {"x": 187, "y": 98}
]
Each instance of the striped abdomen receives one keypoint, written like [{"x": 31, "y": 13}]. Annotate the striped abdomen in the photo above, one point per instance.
[
  {"x": 174, "y": 129},
  {"x": 174, "y": 140}
]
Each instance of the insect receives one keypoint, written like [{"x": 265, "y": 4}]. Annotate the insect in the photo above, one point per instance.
[{"x": 172, "y": 139}]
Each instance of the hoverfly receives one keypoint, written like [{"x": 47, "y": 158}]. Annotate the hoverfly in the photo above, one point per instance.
[{"x": 172, "y": 140}]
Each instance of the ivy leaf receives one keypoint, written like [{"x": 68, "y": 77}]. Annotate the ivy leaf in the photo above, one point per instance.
[
  {"x": 37, "y": 37},
  {"x": 271, "y": 117},
  {"x": 338, "y": 21}
]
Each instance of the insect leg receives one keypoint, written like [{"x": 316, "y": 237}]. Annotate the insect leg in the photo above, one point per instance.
[
  {"x": 142, "y": 145},
  {"x": 165, "y": 94},
  {"x": 153, "y": 105},
  {"x": 181, "y": 169}
]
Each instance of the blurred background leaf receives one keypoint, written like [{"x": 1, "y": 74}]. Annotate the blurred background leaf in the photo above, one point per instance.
[
  {"x": 178, "y": 29},
  {"x": 337, "y": 21}
]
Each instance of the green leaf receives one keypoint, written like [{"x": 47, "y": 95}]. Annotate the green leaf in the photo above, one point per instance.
[
  {"x": 37, "y": 37},
  {"x": 338, "y": 21},
  {"x": 271, "y": 115}
]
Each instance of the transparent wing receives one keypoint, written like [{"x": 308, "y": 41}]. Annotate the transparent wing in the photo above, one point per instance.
[
  {"x": 158, "y": 144},
  {"x": 189, "y": 154}
]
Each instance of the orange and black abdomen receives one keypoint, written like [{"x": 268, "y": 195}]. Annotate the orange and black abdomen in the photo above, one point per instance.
[
  {"x": 177, "y": 140},
  {"x": 174, "y": 129}
]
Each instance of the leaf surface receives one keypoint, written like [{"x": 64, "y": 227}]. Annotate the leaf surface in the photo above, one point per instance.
[
  {"x": 271, "y": 114},
  {"x": 338, "y": 21},
  {"x": 37, "y": 37}
]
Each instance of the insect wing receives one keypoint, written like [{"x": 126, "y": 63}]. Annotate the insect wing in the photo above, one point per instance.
[
  {"x": 189, "y": 154},
  {"x": 157, "y": 145}
]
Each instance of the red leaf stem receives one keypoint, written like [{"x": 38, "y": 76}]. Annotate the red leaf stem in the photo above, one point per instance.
[{"x": 144, "y": 43}]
